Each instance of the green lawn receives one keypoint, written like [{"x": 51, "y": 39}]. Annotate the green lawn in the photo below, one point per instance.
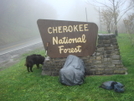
[{"x": 16, "y": 84}]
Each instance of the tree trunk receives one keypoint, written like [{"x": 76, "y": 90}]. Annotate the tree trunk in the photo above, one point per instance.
[
  {"x": 109, "y": 31},
  {"x": 116, "y": 32},
  {"x": 116, "y": 29}
]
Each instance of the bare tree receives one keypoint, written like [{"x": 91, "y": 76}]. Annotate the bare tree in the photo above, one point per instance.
[
  {"x": 129, "y": 24},
  {"x": 117, "y": 9},
  {"x": 132, "y": 3},
  {"x": 106, "y": 18}
]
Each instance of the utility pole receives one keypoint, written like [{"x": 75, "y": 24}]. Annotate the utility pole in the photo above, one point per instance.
[
  {"x": 86, "y": 14},
  {"x": 100, "y": 18}
]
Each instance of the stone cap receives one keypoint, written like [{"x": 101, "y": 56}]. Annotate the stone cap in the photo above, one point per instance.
[
  {"x": 111, "y": 34},
  {"x": 103, "y": 36}
]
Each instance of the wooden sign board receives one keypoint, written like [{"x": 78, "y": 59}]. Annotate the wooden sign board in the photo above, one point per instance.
[{"x": 62, "y": 38}]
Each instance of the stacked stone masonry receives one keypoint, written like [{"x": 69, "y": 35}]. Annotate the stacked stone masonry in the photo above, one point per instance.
[{"x": 106, "y": 60}]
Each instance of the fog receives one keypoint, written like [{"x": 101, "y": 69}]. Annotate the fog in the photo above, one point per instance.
[
  {"x": 74, "y": 10},
  {"x": 19, "y": 17},
  {"x": 18, "y": 23}
]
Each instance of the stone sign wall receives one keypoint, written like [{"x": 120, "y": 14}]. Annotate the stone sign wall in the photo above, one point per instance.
[{"x": 106, "y": 60}]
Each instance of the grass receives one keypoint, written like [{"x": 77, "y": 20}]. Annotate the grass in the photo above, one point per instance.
[{"x": 16, "y": 84}]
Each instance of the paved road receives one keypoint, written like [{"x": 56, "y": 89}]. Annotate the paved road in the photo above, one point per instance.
[
  {"x": 10, "y": 53},
  {"x": 20, "y": 45}
]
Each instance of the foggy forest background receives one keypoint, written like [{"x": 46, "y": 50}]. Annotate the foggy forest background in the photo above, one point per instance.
[{"x": 18, "y": 18}]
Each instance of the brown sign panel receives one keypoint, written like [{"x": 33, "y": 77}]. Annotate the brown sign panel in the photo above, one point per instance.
[{"x": 62, "y": 38}]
